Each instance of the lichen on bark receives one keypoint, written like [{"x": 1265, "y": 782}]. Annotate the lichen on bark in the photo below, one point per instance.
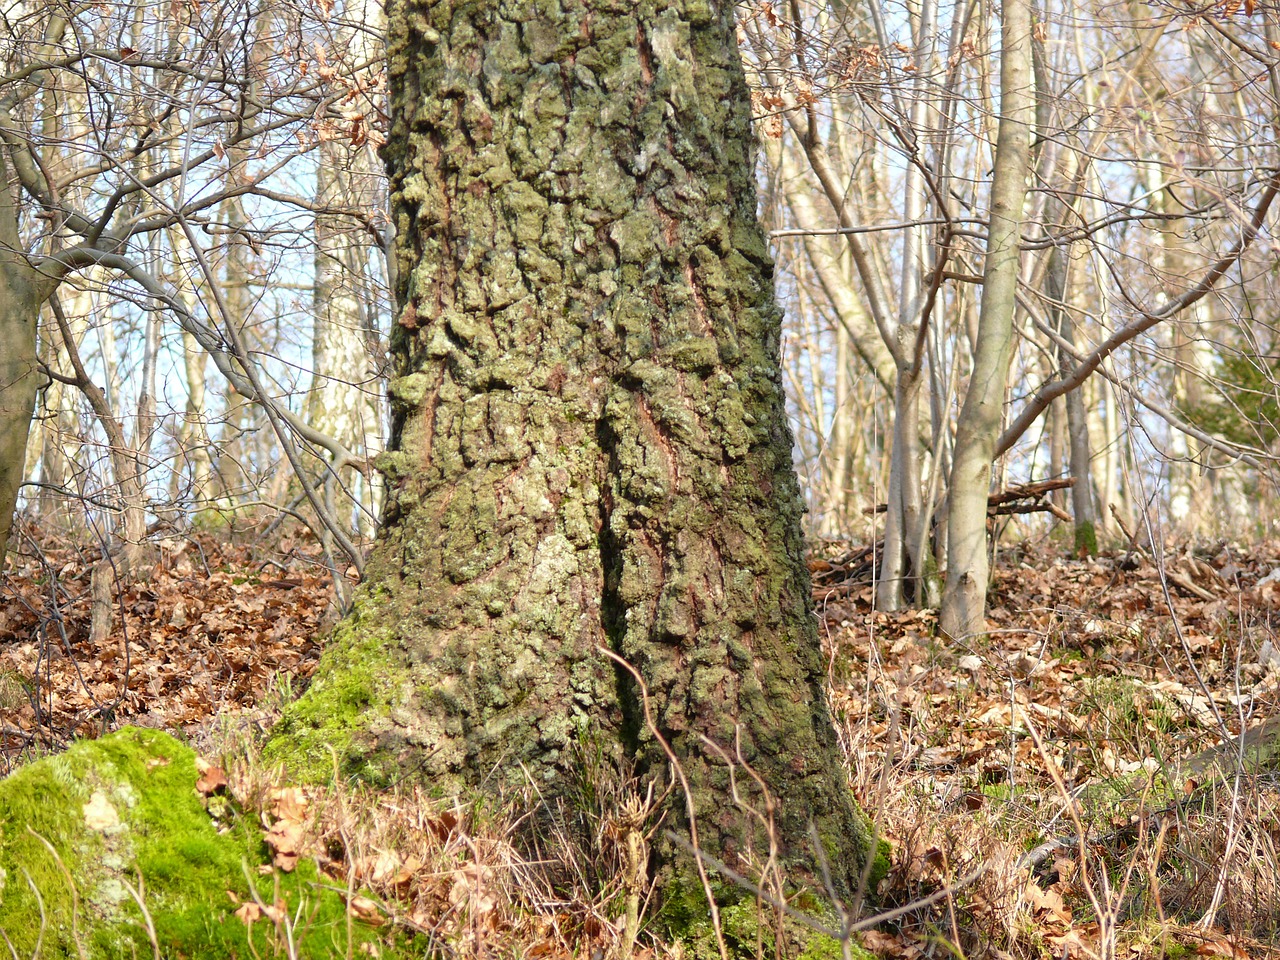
[{"x": 589, "y": 446}]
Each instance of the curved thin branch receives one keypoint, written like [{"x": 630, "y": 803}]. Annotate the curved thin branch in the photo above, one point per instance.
[
  {"x": 1246, "y": 455},
  {"x": 230, "y": 365},
  {"x": 275, "y": 414},
  {"x": 1146, "y": 320}
]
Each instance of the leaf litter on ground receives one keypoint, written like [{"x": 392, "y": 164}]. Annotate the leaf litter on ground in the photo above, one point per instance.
[
  {"x": 1062, "y": 733},
  {"x": 1050, "y": 733},
  {"x": 209, "y": 630}
]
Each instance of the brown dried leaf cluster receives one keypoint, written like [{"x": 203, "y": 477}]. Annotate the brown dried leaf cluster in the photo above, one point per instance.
[
  {"x": 1065, "y": 724},
  {"x": 208, "y": 631}
]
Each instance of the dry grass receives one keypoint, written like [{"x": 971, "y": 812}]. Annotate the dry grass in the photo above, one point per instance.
[
  {"x": 512, "y": 878},
  {"x": 1049, "y": 754},
  {"x": 1026, "y": 782}
]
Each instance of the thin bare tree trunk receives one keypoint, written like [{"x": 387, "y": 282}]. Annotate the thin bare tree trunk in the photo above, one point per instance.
[
  {"x": 22, "y": 291},
  {"x": 344, "y": 399},
  {"x": 192, "y": 481},
  {"x": 236, "y": 478},
  {"x": 1077, "y": 423},
  {"x": 964, "y": 602},
  {"x": 55, "y": 442},
  {"x": 903, "y": 515}
]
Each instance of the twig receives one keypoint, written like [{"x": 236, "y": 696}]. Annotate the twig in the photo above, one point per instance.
[
  {"x": 44, "y": 919},
  {"x": 815, "y": 925},
  {"x": 688, "y": 796},
  {"x": 146, "y": 915},
  {"x": 75, "y": 894}
]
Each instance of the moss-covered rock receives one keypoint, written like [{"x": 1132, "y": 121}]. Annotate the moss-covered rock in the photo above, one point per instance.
[{"x": 86, "y": 834}]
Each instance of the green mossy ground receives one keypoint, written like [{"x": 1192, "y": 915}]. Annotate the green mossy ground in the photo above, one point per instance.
[
  {"x": 123, "y": 813},
  {"x": 750, "y": 927}
]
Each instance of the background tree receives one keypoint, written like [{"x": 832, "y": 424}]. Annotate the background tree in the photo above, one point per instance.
[
  {"x": 345, "y": 396},
  {"x": 964, "y": 604},
  {"x": 146, "y": 154},
  {"x": 861, "y": 171}
]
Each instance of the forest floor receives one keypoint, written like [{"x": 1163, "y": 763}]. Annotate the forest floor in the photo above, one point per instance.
[{"x": 1028, "y": 783}]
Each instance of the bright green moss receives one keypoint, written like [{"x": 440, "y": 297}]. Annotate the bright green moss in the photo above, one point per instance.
[
  {"x": 822, "y": 947},
  {"x": 880, "y": 866},
  {"x": 1086, "y": 540},
  {"x": 750, "y": 927},
  {"x": 122, "y": 814},
  {"x": 359, "y": 679}
]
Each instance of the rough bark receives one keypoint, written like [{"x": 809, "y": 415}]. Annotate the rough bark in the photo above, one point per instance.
[
  {"x": 589, "y": 448},
  {"x": 964, "y": 602}
]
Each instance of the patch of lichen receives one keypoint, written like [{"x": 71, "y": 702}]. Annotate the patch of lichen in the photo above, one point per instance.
[
  {"x": 361, "y": 676},
  {"x": 122, "y": 814}
]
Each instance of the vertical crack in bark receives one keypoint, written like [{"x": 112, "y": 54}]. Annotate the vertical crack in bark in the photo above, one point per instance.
[{"x": 613, "y": 611}]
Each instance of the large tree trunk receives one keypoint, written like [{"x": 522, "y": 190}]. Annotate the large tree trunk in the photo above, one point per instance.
[{"x": 589, "y": 447}]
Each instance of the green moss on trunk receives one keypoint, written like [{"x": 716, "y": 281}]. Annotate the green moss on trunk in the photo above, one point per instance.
[
  {"x": 1086, "y": 539},
  {"x": 352, "y": 698}
]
